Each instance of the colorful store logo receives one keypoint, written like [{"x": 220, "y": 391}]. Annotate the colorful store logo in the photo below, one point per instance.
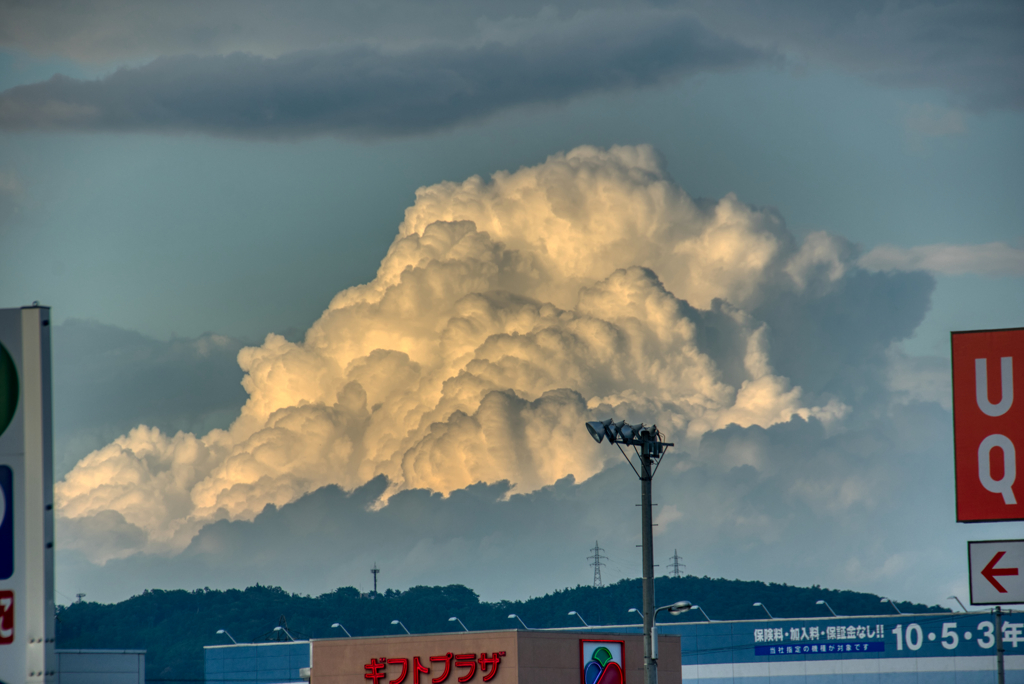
[
  {"x": 601, "y": 662},
  {"x": 8, "y": 389}
]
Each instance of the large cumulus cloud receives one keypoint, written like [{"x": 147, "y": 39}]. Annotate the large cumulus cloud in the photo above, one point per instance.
[{"x": 505, "y": 314}]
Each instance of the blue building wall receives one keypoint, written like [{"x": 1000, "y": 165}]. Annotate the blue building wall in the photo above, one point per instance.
[
  {"x": 943, "y": 648},
  {"x": 267, "y": 663},
  {"x": 934, "y": 648}
]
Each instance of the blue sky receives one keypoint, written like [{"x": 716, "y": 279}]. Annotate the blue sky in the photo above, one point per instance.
[{"x": 152, "y": 230}]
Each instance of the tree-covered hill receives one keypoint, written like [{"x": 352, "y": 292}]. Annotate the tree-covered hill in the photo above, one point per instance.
[{"x": 173, "y": 626}]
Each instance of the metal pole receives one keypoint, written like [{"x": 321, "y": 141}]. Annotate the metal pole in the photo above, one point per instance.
[
  {"x": 646, "y": 475},
  {"x": 1000, "y": 674}
]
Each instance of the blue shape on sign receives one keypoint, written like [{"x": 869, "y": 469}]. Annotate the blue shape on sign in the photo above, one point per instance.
[
  {"x": 828, "y": 648},
  {"x": 6, "y": 522}
]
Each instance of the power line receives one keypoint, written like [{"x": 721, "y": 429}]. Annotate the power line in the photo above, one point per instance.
[
  {"x": 597, "y": 563},
  {"x": 675, "y": 565}
]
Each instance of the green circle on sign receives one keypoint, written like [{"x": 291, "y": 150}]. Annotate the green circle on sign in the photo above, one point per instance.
[{"x": 8, "y": 389}]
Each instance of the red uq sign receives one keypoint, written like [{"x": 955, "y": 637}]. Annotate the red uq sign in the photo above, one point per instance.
[{"x": 988, "y": 424}]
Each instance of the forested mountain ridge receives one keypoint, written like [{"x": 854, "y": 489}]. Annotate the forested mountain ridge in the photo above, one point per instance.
[{"x": 173, "y": 626}]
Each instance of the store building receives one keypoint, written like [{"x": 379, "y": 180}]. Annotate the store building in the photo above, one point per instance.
[
  {"x": 929, "y": 648},
  {"x": 499, "y": 657}
]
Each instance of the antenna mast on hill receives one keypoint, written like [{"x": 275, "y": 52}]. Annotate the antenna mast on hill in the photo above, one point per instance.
[
  {"x": 597, "y": 563},
  {"x": 375, "y": 570},
  {"x": 676, "y": 565}
]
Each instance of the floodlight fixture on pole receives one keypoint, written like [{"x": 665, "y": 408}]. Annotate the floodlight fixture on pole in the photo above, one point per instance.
[
  {"x": 765, "y": 609},
  {"x": 286, "y": 632},
  {"x": 677, "y": 608},
  {"x": 336, "y": 625},
  {"x": 702, "y": 612},
  {"x": 513, "y": 616},
  {"x": 823, "y": 602},
  {"x": 573, "y": 612},
  {"x": 891, "y": 603},
  {"x": 649, "y": 448},
  {"x": 225, "y": 633},
  {"x": 455, "y": 619},
  {"x": 958, "y": 601},
  {"x": 399, "y": 623},
  {"x": 634, "y": 610}
]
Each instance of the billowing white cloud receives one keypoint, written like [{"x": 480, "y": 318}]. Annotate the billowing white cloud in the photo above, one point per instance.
[
  {"x": 505, "y": 314},
  {"x": 994, "y": 258}
]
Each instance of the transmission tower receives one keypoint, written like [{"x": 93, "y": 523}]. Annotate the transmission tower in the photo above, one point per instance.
[
  {"x": 375, "y": 570},
  {"x": 597, "y": 563},
  {"x": 675, "y": 565}
]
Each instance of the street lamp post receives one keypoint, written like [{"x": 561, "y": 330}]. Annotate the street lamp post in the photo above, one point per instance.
[
  {"x": 455, "y": 619},
  {"x": 701, "y": 612},
  {"x": 573, "y": 612},
  {"x": 513, "y": 616},
  {"x": 677, "y": 608},
  {"x": 823, "y": 602},
  {"x": 225, "y": 633},
  {"x": 336, "y": 625},
  {"x": 286, "y": 633},
  {"x": 765, "y": 609},
  {"x": 893, "y": 604},
  {"x": 958, "y": 601},
  {"x": 399, "y": 623},
  {"x": 648, "y": 445}
]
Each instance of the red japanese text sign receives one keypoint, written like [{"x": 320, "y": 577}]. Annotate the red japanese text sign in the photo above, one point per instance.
[
  {"x": 440, "y": 667},
  {"x": 988, "y": 424}
]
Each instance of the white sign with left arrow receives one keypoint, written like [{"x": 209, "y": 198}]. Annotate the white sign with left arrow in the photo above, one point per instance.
[{"x": 997, "y": 571}]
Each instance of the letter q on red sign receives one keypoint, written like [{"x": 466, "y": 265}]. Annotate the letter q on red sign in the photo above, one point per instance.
[{"x": 988, "y": 424}]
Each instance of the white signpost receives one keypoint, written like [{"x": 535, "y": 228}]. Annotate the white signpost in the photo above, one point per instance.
[
  {"x": 26, "y": 498},
  {"x": 997, "y": 572}
]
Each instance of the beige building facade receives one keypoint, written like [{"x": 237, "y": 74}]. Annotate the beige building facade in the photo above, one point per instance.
[{"x": 499, "y": 657}]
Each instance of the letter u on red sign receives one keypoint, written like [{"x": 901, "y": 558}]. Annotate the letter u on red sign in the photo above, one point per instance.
[{"x": 988, "y": 424}]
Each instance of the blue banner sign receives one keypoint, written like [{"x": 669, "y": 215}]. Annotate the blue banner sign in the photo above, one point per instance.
[
  {"x": 923, "y": 635},
  {"x": 857, "y": 647}
]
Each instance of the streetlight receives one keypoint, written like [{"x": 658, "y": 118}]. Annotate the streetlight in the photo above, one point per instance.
[
  {"x": 702, "y": 612},
  {"x": 648, "y": 446},
  {"x": 890, "y": 602},
  {"x": 823, "y": 602},
  {"x": 677, "y": 608},
  {"x": 287, "y": 634},
  {"x": 634, "y": 610},
  {"x": 336, "y": 625},
  {"x": 225, "y": 632},
  {"x": 399, "y": 623},
  {"x": 573, "y": 612},
  {"x": 765, "y": 609},
  {"x": 513, "y": 616},
  {"x": 455, "y": 619},
  {"x": 958, "y": 601}
]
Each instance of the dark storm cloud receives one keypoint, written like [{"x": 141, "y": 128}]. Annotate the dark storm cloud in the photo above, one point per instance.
[
  {"x": 972, "y": 49},
  {"x": 369, "y": 92}
]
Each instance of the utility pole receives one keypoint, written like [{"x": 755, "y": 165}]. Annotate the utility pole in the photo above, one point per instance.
[
  {"x": 1000, "y": 673},
  {"x": 676, "y": 565},
  {"x": 647, "y": 457},
  {"x": 647, "y": 444},
  {"x": 597, "y": 564},
  {"x": 375, "y": 570}
]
